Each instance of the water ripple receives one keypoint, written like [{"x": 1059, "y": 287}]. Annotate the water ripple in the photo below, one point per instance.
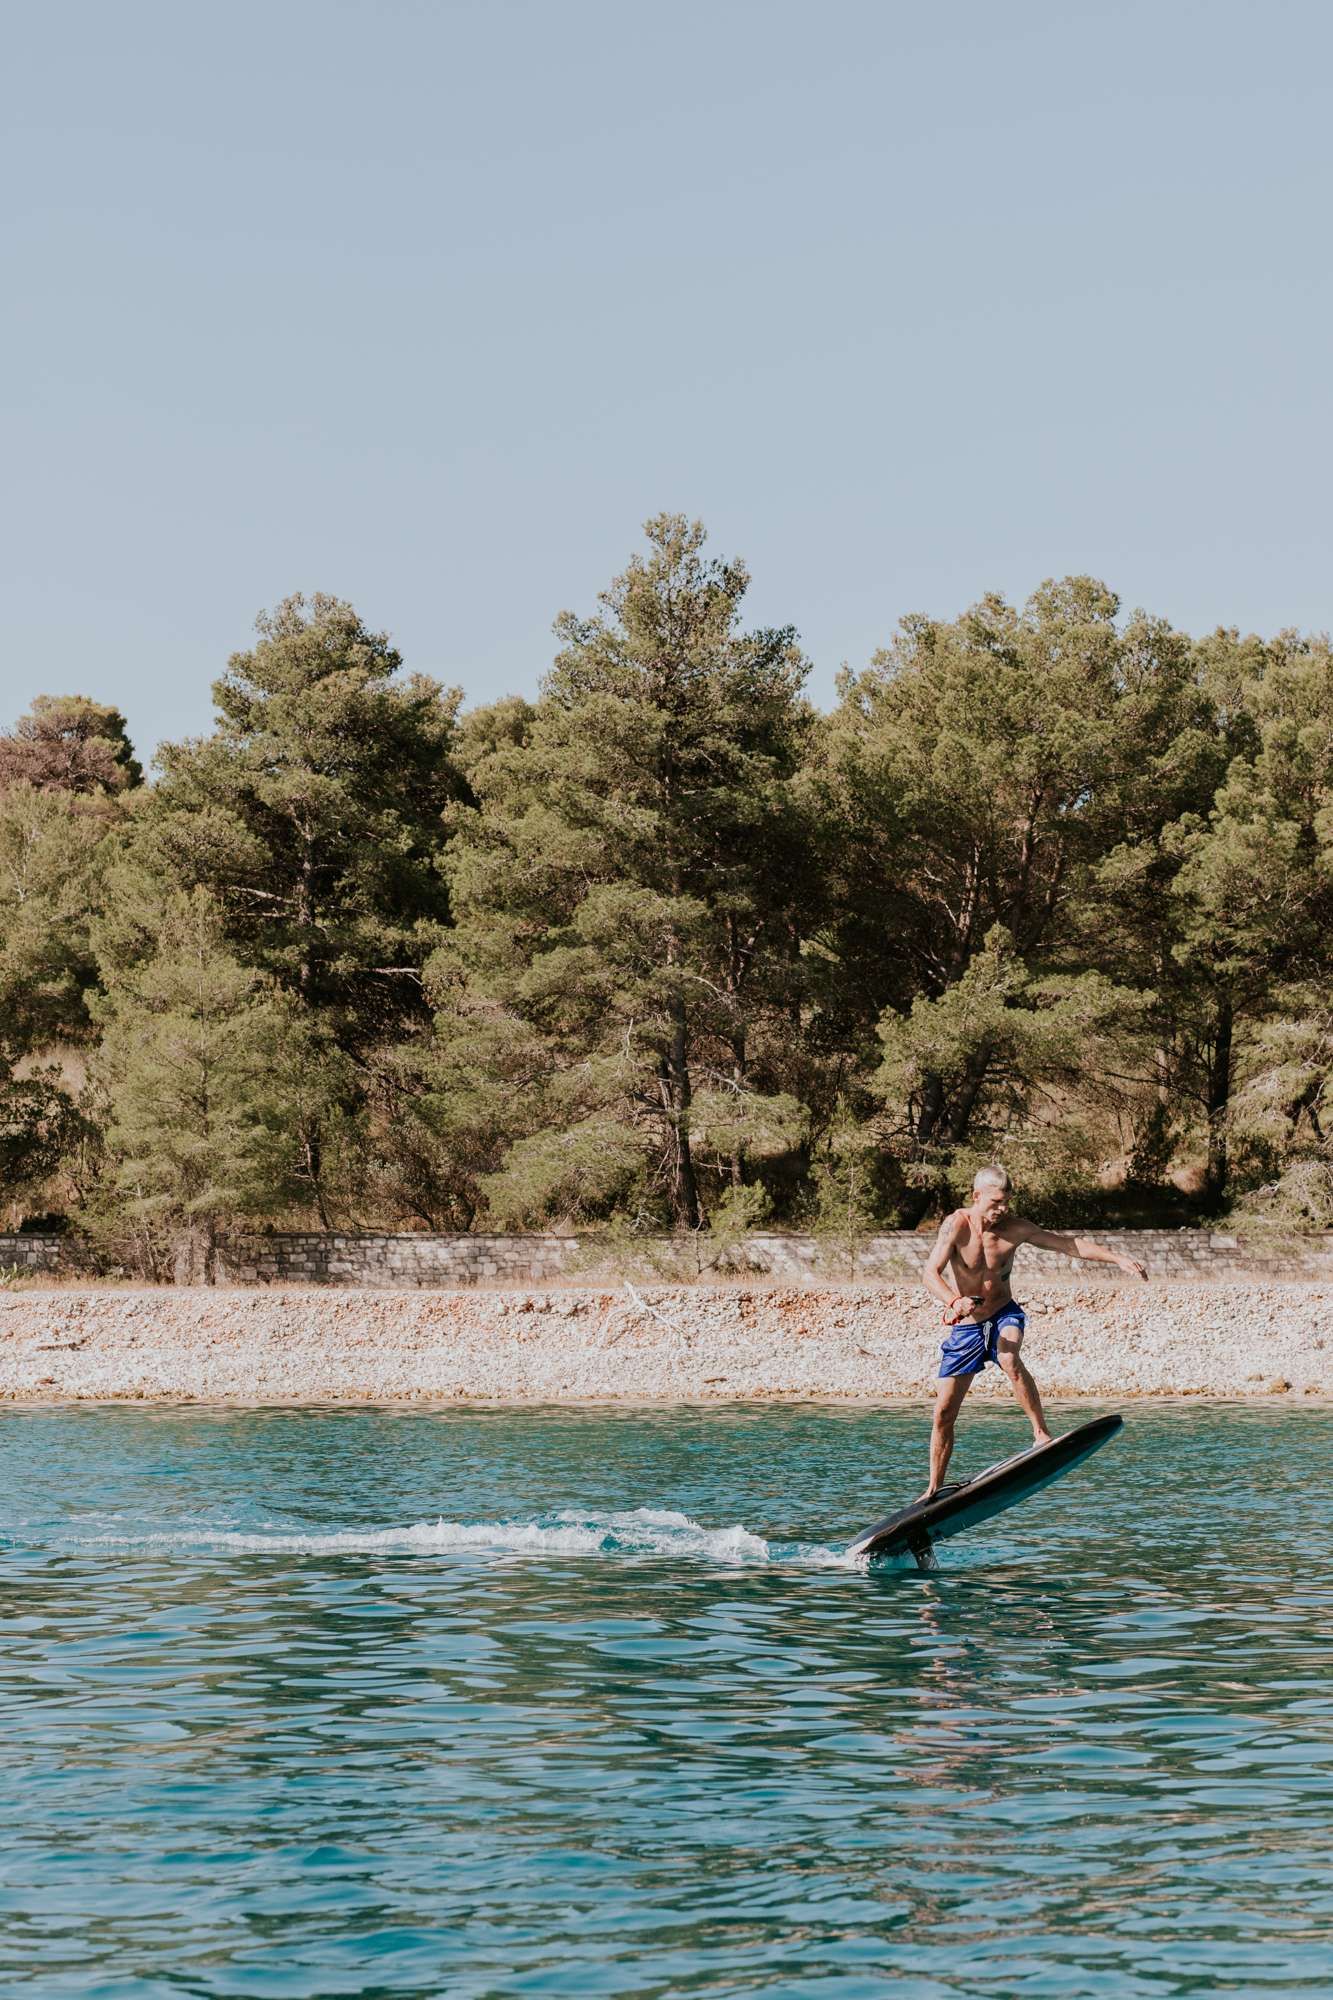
[{"x": 608, "y": 1712}]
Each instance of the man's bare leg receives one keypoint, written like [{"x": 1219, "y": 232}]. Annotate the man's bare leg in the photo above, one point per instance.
[
  {"x": 1025, "y": 1390},
  {"x": 948, "y": 1402}
]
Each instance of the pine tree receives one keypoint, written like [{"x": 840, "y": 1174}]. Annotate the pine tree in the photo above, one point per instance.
[
  {"x": 973, "y": 778},
  {"x": 313, "y": 814},
  {"x": 53, "y": 851},
  {"x": 995, "y": 1045},
  {"x": 312, "y": 817},
  {"x": 40, "y": 1127},
  {"x": 199, "y": 1129},
  {"x": 1218, "y": 912},
  {"x": 67, "y": 743},
  {"x": 628, "y": 891},
  {"x": 53, "y": 856},
  {"x": 1251, "y": 897}
]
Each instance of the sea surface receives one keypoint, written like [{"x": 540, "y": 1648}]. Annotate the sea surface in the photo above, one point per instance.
[{"x": 575, "y": 1702}]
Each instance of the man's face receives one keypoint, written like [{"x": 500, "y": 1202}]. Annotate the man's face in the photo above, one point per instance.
[{"x": 992, "y": 1205}]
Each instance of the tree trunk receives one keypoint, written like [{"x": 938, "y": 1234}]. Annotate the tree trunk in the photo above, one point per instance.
[
  {"x": 1219, "y": 1100},
  {"x": 738, "y": 1079},
  {"x": 932, "y": 1104},
  {"x": 305, "y": 916},
  {"x": 735, "y": 974},
  {"x": 917, "y": 1201},
  {"x": 312, "y": 1148},
  {"x": 973, "y": 1078},
  {"x": 685, "y": 1187},
  {"x": 676, "y": 1078}
]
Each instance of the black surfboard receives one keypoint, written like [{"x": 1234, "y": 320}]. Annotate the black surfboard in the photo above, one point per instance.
[{"x": 914, "y": 1530}]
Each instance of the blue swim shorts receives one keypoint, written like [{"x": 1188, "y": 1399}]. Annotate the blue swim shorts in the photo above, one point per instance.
[{"x": 973, "y": 1342}]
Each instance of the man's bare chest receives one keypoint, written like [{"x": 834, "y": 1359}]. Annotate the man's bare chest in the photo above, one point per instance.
[{"x": 987, "y": 1254}]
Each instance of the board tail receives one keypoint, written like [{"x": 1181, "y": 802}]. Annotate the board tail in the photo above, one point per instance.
[{"x": 955, "y": 1508}]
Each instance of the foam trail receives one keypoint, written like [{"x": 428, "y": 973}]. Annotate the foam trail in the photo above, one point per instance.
[{"x": 642, "y": 1531}]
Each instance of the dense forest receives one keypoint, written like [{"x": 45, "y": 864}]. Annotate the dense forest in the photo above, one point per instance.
[{"x": 669, "y": 948}]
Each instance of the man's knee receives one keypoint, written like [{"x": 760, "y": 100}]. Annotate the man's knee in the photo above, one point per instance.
[{"x": 948, "y": 1402}]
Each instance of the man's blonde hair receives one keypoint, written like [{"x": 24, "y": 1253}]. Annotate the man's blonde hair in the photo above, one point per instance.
[{"x": 991, "y": 1177}]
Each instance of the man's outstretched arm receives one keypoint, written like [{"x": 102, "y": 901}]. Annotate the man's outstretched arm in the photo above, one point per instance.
[{"x": 1079, "y": 1246}]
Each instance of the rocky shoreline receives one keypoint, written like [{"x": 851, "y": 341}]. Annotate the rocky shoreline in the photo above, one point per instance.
[{"x": 864, "y": 1343}]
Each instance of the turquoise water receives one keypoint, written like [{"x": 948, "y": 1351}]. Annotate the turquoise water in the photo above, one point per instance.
[{"x": 571, "y": 1702}]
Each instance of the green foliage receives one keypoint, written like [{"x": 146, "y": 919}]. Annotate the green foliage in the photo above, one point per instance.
[
  {"x": 628, "y": 892},
  {"x": 40, "y": 1126},
  {"x": 53, "y": 854},
  {"x": 1283, "y": 1114},
  {"x": 312, "y": 813},
  {"x": 592, "y": 1168},
  {"x": 993, "y": 759},
  {"x": 975, "y": 776},
  {"x": 997, "y": 1049},
  {"x": 196, "y": 1073},
  {"x": 446, "y": 1107},
  {"x": 1221, "y": 906},
  {"x": 66, "y": 743},
  {"x": 849, "y": 1191},
  {"x": 663, "y": 948}
]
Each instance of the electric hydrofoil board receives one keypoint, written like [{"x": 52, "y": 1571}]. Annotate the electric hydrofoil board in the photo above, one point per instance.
[{"x": 917, "y": 1528}]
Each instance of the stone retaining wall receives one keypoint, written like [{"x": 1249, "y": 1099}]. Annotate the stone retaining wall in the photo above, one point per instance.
[
  {"x": 36, "y": 1253},
  {"x": 398, "y": 1262},
  {"x": 402, "y": 1260}
]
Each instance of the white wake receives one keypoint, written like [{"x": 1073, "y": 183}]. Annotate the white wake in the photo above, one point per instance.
[{"x": 640, "y": 1531}]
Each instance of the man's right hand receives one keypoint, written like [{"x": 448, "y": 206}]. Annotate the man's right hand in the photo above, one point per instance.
[{"x": 960, "y": 1308}]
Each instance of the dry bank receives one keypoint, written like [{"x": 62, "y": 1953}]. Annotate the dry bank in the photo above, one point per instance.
[{"x": 633, "y": 1343}]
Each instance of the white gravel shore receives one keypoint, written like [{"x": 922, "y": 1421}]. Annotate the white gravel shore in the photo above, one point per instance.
[{"x": 854, "y": 1342}]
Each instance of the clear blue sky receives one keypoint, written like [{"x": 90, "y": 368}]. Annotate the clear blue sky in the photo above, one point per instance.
[{"x": 430, "y": 302}]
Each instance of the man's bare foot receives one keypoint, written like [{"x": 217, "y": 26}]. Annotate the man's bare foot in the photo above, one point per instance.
[{"x": 1041, "y": 1437}]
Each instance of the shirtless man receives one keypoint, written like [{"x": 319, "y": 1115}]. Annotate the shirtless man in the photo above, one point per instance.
[{"x": 978, "y": 1245}]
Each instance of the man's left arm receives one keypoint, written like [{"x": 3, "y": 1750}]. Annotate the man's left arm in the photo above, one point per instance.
[{"x": 1078, "y": 1246}]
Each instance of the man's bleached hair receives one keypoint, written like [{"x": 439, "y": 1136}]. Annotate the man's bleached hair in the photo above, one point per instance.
[{"x": 995, "y": 1177}]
